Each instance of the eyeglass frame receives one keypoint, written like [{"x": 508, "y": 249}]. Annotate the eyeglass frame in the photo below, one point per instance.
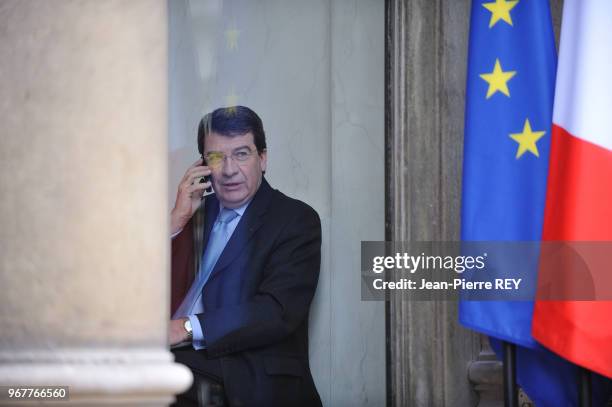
[{"x": 233, "y": 156}]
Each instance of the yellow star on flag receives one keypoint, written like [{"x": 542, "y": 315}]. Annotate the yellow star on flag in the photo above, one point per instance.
[
  {"x": 500, "y": 10},
  {"x": 231, "y": 100},
  {"x": 498, "y": 80},
  {"x": 527, "y": 140},
  {"x": 231, "y": 36}
]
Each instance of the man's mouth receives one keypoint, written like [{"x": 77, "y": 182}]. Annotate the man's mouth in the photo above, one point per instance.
[{"x": 232, "y": 185}]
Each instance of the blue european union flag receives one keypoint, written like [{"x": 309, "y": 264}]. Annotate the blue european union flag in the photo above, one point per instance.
[{"x": 510, "y": 92}]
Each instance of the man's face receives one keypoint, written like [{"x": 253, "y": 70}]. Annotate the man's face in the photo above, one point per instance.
[{"x": 235, "y": 182}]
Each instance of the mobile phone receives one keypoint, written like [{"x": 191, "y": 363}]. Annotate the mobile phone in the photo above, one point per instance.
[{"x": 209, "y": 190}]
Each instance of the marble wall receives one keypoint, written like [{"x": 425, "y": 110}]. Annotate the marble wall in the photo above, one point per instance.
[{"x": 314, "y": 72}]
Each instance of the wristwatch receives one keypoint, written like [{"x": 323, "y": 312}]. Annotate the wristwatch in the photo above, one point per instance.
[{"x": 187, "y": 326}]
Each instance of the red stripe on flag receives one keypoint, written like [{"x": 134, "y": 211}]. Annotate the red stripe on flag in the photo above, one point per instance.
[
  {"x": 579, "y": 194},
  {"x": 578, "y": 208}
]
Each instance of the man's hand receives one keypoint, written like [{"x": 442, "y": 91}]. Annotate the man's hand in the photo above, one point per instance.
[
  {"x": 189, "y": 195},
  {"x": 177, "y": 332}
]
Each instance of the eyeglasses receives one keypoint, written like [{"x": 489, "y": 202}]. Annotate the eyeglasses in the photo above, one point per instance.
[{"x": 215, "y": 159}]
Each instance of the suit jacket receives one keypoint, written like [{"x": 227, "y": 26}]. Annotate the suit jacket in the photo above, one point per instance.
[{"x": 257, "y": 299}]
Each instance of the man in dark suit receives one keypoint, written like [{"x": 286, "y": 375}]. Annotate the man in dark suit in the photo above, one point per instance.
[{"x": 243, "y": 317}]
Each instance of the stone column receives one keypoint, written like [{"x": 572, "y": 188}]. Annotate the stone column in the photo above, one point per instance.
[
  {"x": 429, "y": 352},
  {"x": 84, "y": 268}
]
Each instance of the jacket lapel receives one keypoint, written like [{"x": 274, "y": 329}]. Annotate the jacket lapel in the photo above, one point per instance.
[{"x": 251, "y": 220}]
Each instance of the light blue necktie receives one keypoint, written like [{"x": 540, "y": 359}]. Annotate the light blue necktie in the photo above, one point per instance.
[{"x": 219, "y": 236}]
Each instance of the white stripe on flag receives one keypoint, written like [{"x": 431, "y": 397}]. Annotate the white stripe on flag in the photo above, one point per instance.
[{"x": 583, "y": 95}]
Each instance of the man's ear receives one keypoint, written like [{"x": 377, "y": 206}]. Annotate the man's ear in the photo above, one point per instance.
[{"x": 263, "y": 160}]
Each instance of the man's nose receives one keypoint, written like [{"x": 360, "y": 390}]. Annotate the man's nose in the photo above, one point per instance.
[{"x": 229, "y": 166}]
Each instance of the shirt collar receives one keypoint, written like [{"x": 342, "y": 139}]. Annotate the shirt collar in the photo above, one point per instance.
[{"x": 240, "y": 210}]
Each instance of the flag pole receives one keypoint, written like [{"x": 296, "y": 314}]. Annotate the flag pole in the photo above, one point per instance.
[
  {"x": 584, "y": 387},
  {"x": 510, "y": 388}
]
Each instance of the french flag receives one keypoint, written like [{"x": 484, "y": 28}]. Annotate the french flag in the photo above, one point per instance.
[{"x": 579, "y": 188}]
